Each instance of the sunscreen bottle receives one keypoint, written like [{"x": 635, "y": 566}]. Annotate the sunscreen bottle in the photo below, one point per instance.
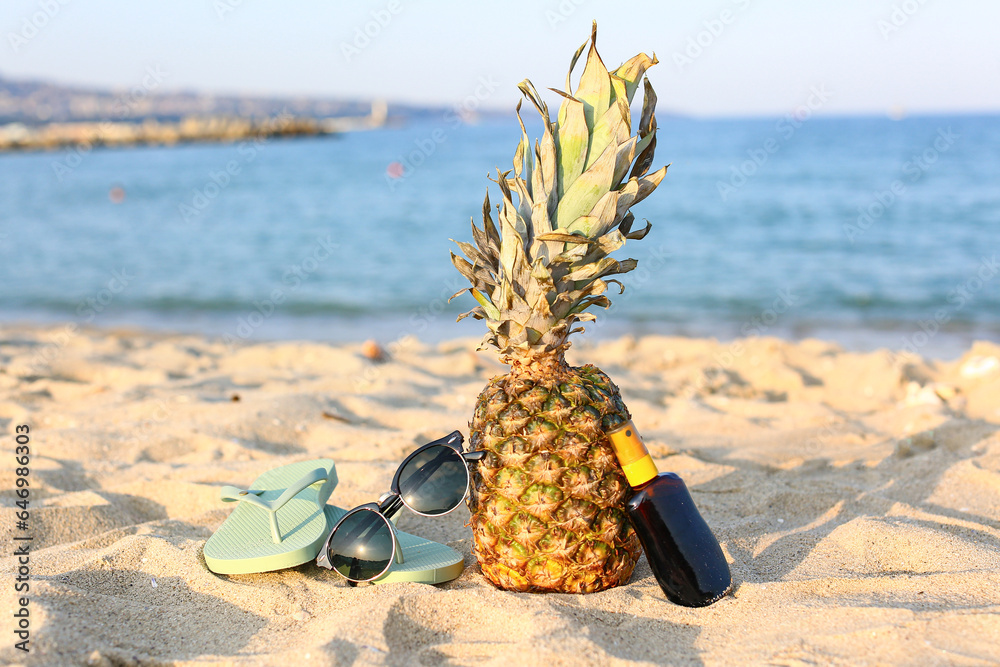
[{"x": 684, "y": 555}]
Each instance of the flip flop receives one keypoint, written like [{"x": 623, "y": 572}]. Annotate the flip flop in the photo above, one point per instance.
[
  {"x": 424, "y": 561},
  {"x": 278, "y": 523}
]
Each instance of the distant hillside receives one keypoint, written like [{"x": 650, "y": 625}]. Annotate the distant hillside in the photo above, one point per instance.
[{"x": 38, "y": 102}]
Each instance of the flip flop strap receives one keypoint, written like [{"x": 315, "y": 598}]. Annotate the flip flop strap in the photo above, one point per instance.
[{"x": 232, "y": 494}]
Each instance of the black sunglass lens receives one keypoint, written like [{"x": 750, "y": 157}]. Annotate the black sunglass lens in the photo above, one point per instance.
[
  {"x": 361, "y": 546},
  {"x": 434, "y": 481}
]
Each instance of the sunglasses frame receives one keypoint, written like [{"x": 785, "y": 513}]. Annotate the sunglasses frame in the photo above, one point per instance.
[
  {"x": 397, "y": 552},
  {"x": 454, "y": 440},
  {"x": 390, "y": 503}
]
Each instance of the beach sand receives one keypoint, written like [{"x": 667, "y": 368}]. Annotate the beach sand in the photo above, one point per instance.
[{"x": 857, "y": 497}]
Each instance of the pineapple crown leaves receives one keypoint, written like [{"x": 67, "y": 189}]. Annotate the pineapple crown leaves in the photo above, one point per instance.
[{"x": 549, "y": 260}]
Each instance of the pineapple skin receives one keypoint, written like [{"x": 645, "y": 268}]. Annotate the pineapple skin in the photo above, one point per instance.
[{"x": 547, "y": 501}]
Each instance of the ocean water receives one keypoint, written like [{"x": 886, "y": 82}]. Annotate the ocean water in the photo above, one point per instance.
[{"x": 865, "y": 230}]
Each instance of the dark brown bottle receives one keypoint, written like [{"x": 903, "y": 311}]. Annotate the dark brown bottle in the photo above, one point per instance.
[{"x": 684, "y": 555}]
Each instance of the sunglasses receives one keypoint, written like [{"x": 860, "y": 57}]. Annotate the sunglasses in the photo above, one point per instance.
[{"x": 432, "y": 481}]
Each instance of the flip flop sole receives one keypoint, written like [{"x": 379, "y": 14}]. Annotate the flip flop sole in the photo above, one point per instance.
[{"x": 243, "y": 543}]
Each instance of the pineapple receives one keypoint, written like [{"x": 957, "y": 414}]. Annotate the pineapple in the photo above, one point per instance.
[{"x": 547, "y": 501}]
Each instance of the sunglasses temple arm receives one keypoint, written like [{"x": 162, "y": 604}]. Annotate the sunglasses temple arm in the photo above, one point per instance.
[
  {"x": 453, "y": 439},
  {"x": 474, "y": 456}
]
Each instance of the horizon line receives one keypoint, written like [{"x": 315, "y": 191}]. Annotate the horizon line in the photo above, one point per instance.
[{"x": 494, "y": 110}]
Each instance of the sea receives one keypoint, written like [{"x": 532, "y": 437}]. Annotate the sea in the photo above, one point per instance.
[{"x": 868, "y": 231}]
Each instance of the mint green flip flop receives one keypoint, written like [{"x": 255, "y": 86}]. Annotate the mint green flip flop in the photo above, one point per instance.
[
  {"x": 279, "y": 522},
  {"x": 421, "y": 561}
]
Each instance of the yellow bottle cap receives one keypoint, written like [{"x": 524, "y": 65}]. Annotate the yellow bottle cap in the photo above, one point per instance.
[{"x": 632, "y": 454}]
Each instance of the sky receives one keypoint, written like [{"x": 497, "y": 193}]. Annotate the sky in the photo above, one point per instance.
[{"x": 717, "y": 57}]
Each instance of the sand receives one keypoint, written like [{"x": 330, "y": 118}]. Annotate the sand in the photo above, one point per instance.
[{"x": 857, "y": 497}]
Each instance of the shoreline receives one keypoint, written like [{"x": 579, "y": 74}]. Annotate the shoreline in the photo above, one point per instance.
[{"x": 947, "y": 343}]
